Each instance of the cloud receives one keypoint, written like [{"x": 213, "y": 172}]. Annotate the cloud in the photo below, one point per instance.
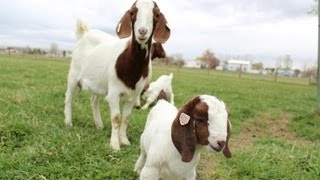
[{"x": 257, "y": 27}]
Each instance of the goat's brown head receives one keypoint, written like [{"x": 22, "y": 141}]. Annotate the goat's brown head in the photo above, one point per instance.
[
  {"x": 201, "y": 121},
  {"x": 145, "y": 20}
]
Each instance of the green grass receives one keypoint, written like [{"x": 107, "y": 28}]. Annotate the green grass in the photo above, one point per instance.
[{"x": 35, "y": 144}]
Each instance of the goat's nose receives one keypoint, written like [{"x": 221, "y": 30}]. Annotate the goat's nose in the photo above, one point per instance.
[
  {"x": 221, "y": 143},
  {"x": 143, "y": 31}
]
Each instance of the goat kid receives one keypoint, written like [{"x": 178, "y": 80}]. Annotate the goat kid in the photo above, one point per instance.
[
  {"x": 174, "y": 151},
  {"x": 153, "y": 90},
  {"x": 116, "y": 68}
]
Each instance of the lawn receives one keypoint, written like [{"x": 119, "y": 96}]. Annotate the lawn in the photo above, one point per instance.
[{"x": 275, "y": 131}]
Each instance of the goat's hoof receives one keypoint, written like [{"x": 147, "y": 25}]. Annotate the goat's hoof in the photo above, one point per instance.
[
  {"x": 144, "y": 107},
  {"x": 99, "y": 126},
  {"x": 115, "y": 146},
  {"x": 68, "y": 124},
  {"x": 125, "y": 141},
  {"x": 137, "y": 170}
]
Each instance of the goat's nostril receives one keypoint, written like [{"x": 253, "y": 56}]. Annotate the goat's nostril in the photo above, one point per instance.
[
  {"x": 221, "y": 143},
  {"x": 143, "y": 31}
]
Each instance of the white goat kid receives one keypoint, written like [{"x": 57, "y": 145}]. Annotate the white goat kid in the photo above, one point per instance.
[
  {"x": 173, "y": 152},
  {"x": 112, "y": 67},
  {"x": 162, "y": 83}
]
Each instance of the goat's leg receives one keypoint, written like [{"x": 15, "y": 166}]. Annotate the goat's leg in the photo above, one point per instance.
[
  {"x": 191, "y": 175},
  {"x": 71, "y": 87},
  {"x": 127, "y": 109},
  {"x": 141, "y": 161},
  {"x": 96, "y": 111},
  {"x": 149, "y": 172},
  {"x": 114, "y": 101},
  {"x": 149, "y": 100},
  {"x": 138, "y": 102}
]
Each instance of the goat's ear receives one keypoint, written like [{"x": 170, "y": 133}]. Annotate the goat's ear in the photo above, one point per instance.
[
  {"x": 184, "y": 138},
  {"x": 182, "y": 131},
  {"x": 226, "y": 150},
  {"x": 124, "y": 26},
  {"x": 157, "y": 51},
  {"x": 162, "y": 30}
]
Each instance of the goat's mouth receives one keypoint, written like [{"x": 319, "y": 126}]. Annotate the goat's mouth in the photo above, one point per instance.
[
  {"x": 216, "y": 149},
  {"x": 142, "y": 39}
]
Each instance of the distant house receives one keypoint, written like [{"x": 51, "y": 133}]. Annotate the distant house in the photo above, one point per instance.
[
  {"x": 235, "y": 65},
  {"x": 195, "y": 64}
]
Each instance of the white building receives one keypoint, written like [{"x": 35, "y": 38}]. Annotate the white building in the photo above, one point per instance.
[{"x": 235, "y": 65}]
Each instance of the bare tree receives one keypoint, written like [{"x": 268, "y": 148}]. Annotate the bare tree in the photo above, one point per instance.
[
  {"x": 210, "y": 59},
  {"x": 257, "y": 66},
  {"x": 284, "y": 62},
  {"x": 178, "y": 60},
  {"x": 314, "y": 8}
]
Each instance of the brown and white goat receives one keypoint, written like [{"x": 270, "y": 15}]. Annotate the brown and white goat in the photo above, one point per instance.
[
  {"x": 116, "y": 68},
  {"x": 173, "y": 152}
]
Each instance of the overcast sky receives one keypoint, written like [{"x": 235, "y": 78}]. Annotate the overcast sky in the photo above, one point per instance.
[{"x": 265, "y": 29}]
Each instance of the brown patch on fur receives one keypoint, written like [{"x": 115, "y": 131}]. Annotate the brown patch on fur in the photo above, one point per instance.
[
  {"x": 162, "y": 95},
  {"x": 144, "y": 89},
  {"x": 132, "y": 64},
  {"x": 79, "y": 85},
  {"x": 185, "y": 137},
  {"x": 116, "y": 121},
  {"x": 157, "y": 51},
  {"x": 200, "y": 115},
  {"x": 125, "y": 24},
  {"x": 226, "y": 150},
  {"x": 161, "y": 30}
]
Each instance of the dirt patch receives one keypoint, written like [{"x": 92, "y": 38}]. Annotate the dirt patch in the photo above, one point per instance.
[{"x": 266, "y": 125}]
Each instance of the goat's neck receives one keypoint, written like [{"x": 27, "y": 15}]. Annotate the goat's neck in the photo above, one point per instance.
[{"x": 132, "y": 63}]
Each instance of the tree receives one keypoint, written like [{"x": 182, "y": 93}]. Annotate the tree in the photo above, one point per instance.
[
  {"x": 284, "y": 62},
  {"x": 209, "y": 59},
  {"x": 314, "y": 8},
  {"x": 178, "y": 60},
  {"x": 54, "y": 50},
  {"x": 257, "y": 66}
]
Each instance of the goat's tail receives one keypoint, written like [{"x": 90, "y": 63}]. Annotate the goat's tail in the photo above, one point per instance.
[
  {"x": 170, "y": 75},
  {"x": 81, "y": 29}
]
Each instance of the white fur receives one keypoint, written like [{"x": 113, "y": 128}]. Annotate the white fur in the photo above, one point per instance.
[
  {"x": 159, "y": 158},
  {"x": 93, "y": 66},
  {"x": 162, "y": 83},
  {"x": 144, "y": 20}
]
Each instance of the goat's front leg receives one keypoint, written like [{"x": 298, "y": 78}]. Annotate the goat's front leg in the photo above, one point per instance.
[
  {"x": 96, "y": 111},
  {"x": 149, "y": 173},
  {"x": 138, "y": 103},
  {"x": 114, "y": 101},
  {"x": 127, "y": 109},
  {"x": 149, "y": 100}
]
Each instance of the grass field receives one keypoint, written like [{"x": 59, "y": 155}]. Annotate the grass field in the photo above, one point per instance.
[{"x": 275, "y": 130}]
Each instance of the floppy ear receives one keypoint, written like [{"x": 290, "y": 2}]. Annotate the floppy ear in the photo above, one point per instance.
[
  {"x": 182, "y": 131},
  {"x": 157, "y": 51},
  {"x": 184, "y": 138},
  {"x": 226, "y": 150},
  {"x": 162, "y": 30},
  {"x": 124, "y": 26},
  {"x": 162, "y": 95}
]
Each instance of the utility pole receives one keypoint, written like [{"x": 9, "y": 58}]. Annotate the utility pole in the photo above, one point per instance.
[{"x": 318, "y": 73}]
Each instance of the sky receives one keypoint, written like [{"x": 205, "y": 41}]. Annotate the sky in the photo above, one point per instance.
[{"x": 263, "y": 29}]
